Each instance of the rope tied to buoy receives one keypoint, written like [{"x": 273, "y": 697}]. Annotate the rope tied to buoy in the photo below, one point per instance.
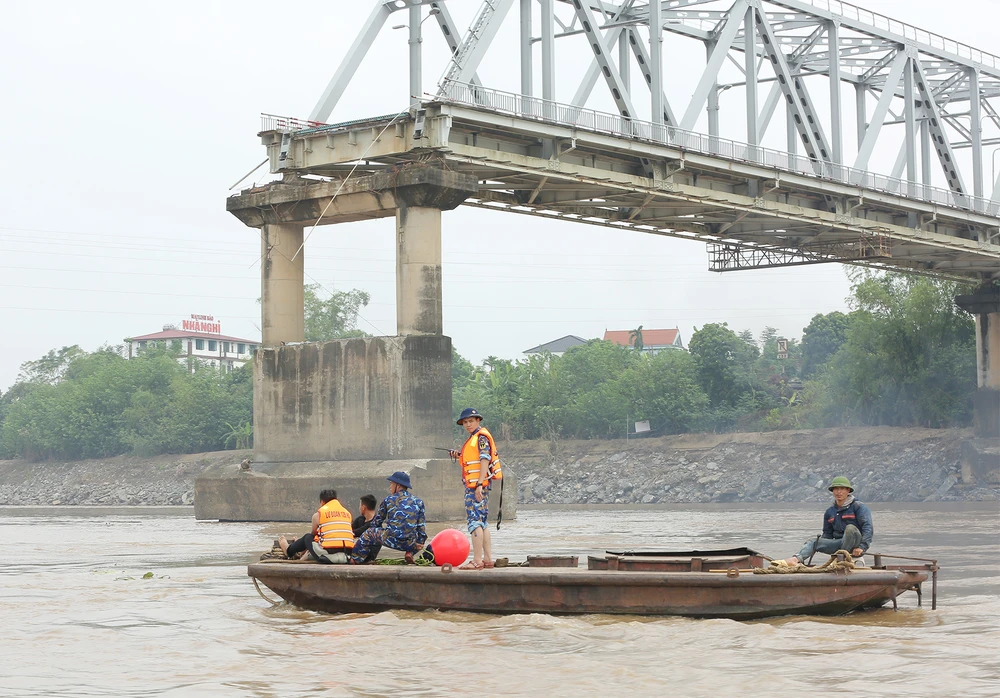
[{"x": 839, "y": 561}]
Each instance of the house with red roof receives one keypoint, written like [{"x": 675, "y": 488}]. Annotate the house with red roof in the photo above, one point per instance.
[
  {"x": 653, "y": 341},
  {"x": 198, "y": 338}
]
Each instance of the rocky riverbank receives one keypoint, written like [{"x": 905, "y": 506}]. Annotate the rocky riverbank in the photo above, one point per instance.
[
  {"x": 119, "y": 481},
  {"x": 884, "y": 464}
]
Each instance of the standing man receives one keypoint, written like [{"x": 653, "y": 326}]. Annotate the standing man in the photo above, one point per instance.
[
  {"x": 480, "y": 465},
  {"x": 847, "y": 525},
  {"x": 400, "y": 523},
  {"x": 331, "y": 538}
]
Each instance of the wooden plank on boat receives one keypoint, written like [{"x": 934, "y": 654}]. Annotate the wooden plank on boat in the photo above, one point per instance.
[{"x": 553, "y": 561}]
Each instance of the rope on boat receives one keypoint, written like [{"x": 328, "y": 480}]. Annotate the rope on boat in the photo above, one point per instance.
[
  {"x": 257, "y": 587},
  {"x": 834, "y": 564},
  {"x": 421, "y": 558}
]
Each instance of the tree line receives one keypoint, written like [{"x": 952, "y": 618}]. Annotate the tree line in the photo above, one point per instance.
[{"x": 903, "y": 356}]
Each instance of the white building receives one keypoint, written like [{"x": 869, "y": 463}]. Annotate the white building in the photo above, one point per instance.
[{"x": 199, "y": 339}]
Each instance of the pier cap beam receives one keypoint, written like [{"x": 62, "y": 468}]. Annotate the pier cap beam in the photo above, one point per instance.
[{"x": 377, "y": 195}]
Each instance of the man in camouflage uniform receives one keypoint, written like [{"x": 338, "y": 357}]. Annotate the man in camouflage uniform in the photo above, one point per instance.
[{"x": 399, "y": 523}]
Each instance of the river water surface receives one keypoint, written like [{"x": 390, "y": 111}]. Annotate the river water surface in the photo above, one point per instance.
[{"x": 79, "y": 618}]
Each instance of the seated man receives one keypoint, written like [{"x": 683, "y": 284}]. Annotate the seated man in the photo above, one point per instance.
[
  {"x": 331, "y": 538},
  {"x": 847, "y": 525},
  {"x": 364, "y": 519},
  {"x": 400, "y": 522}
]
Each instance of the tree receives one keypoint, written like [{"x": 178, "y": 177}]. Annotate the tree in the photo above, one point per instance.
[
  {"x": 51, "y": 367},
  {"x": 909, "y": 356},
  {"x": 334, "y": 316},
  {"x": 635, "y": 338},
  {"x": 723, "y": 362},
  {"x": 104, "y": 405},
  {"x": 670, "y": 395},
  {"x": 822, "y": 339}
]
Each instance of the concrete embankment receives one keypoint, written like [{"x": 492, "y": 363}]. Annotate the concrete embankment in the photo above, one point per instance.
[{"x": 886, "y": 464}]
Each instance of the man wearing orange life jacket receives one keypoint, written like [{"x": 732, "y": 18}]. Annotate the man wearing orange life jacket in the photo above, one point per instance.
[
  {"x": 331, "y": 539},
  {"x": 480, "y": 466}
]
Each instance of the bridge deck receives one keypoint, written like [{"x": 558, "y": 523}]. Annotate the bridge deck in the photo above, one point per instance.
[{"x": 535, "y": 160}]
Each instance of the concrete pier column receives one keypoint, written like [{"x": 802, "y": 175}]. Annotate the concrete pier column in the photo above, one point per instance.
[
  {"x": 281, "y": 284},
  {"x": 985, "y": 305},
  {"x": 418, "y": 271}
]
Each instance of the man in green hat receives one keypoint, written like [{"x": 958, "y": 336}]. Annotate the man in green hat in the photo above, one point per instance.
[{"x": 847, "y": 525}]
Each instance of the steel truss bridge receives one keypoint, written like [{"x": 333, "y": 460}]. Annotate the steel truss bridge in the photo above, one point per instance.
[{"x": 658, "y": 165}]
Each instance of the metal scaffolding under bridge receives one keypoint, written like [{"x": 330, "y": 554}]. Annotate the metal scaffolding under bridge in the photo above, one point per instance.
[{"x": 658, "y": 165}]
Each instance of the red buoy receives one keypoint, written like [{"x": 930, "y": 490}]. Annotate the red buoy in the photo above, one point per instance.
[{"x": 450, "y": 547}]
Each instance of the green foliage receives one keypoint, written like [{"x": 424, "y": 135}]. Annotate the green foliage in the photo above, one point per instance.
[
  {"x": 240, "y": 436},
  {"x": 334, "y": 316},
  {"x": 821, "y": 340},
  {"x": 592, "y": 391},
  {"x": 908, "y": 357},
  {"x": 725, "y": 364},
  {"x": 905, "y": 355},
  {"x": 103, "y": 405},
  {"x": 51, "y": 367}
]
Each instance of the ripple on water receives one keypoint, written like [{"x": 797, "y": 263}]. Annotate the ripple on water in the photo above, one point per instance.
[{"x": 198, "y": 628}]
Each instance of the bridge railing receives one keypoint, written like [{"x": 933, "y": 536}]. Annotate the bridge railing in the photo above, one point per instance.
[
  {"x": 273, "y": 122},
  {"x": 620, "y": 126},
  {"x": 908, "y": 31}
]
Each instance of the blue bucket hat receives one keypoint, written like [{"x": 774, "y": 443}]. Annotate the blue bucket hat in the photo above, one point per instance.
[
  {"x": 468, "y": 412},
  {"x": 400, "y": 478}
]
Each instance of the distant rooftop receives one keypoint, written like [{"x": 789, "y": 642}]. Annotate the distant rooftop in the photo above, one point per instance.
[
  {"x": 557, "y": 346},
  {"x": 651, "y": 339},
  {"x": 185, "y": 334}
]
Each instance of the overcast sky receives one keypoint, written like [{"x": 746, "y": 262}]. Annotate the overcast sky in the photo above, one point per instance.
[{"x": 126, "y": 124}]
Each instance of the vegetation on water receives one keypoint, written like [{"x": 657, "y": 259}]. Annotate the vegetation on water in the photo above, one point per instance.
[{"x": 903, "y": 356}]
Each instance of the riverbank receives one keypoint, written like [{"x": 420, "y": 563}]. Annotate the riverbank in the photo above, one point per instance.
[
  {"x": 118, "y": 481},
  {"x": 885, "y": 464}
]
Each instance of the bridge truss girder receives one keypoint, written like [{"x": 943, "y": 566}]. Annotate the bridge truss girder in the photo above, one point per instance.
[
  {"x": 598, "y": 179},
  {"x": 942, "y": 94},
  {"x": 802, "y": 40}
]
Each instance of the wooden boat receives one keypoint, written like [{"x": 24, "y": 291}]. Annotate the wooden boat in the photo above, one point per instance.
[{"x": 697, "y": 584}]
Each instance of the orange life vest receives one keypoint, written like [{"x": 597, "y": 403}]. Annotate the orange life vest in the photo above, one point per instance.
[
  {"x": 470, "y": 459},
  {"x": 334, "y": 530}
]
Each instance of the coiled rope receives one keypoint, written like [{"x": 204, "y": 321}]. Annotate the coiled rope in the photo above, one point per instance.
[{"x": 841, "y": 560}]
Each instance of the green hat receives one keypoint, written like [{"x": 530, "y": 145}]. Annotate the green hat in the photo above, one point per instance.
[{"x": 840, "y": 481}]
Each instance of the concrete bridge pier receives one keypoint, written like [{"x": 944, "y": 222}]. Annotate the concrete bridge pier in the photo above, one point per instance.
[
  {"x": 282, "y": 275},
  {"x": 348, "y": 413},
  {"x": 981, "y": 455},
  {"x": 418, "y": 270}
]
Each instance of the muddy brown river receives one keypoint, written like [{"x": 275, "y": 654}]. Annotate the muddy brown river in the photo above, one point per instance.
[{"x": 153, "y": 603}]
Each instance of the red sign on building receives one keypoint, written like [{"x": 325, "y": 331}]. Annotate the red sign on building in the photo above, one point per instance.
[{"x": 202, "y": 323}]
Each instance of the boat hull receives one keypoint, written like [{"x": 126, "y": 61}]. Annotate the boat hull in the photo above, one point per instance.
[{"x": 374, "y": 588}]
